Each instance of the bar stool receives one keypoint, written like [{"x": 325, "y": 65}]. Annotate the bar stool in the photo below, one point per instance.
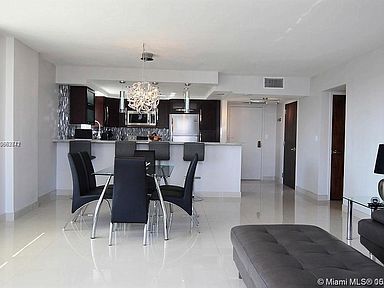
[
  {"x": 125, "y": 149},
  {"x": 76, "y": 146},
  {"x": 162, "y": 152},
  {"x": 190, "y": 149}
]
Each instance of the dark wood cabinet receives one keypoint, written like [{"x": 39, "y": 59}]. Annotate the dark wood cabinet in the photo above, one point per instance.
[
  {"x": 209, "y": 111},
  {"x": 107, "y": 112},
  {"x": 163, "y": 114},
  {"x": 82, "y": 105}
]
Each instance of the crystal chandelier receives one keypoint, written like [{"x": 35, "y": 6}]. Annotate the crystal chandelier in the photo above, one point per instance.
[{"x": 143, "y": 96}]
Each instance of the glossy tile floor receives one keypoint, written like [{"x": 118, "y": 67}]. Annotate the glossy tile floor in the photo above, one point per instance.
[{"x": 35, "y": 252}]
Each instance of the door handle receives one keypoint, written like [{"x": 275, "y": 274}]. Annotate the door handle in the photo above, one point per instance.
[
  {"x": 259, "y": 144},
  {"x": 293, "y": 149},
  {"x": 335, "y": 152}
]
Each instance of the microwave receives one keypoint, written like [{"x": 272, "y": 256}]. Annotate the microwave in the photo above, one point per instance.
[{"x": 135, "y": 118}]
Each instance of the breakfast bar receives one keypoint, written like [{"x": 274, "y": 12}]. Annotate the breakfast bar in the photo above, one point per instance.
[{"x": 219, "y": 175}]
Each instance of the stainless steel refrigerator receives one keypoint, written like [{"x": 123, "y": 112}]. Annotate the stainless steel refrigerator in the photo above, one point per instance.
[{"x": 184, "y": 127}]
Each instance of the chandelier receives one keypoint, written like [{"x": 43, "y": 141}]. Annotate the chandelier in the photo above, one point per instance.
[{"x": 143, "y": 96}]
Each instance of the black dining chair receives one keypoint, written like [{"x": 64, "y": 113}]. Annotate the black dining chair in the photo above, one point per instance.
[
  {"x": 125, "y": 148},
  {"x": 90, "y": 173},
  {"x": 182, "y": 196},
  {"x": 130, "y": 203},
  {"x": 162, "y": 152},
  {"x": 81, "y": 146},
  {"x": 82, "y": 194}
]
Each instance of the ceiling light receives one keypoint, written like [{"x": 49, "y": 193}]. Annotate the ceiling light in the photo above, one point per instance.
[{"x": 143, "y": 96}]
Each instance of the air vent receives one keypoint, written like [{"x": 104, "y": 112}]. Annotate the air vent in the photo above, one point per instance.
[{"x": 273, "y": 83}]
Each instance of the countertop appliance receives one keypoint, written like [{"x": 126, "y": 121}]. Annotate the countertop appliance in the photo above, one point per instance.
[
  {"x": 135, "y": 118},
  {"x": 184, "y": 127}
]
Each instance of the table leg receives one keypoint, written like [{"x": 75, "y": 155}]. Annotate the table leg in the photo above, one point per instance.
[
  {"x": 97, "y": 209},
  {"x": 349, "y": 220},
  {"x": 163, "y": 208}
]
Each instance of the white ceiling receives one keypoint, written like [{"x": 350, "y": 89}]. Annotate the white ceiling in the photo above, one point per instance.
[{"x": 248, "y": 37}]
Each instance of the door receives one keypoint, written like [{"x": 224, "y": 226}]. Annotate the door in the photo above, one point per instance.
[
  {"x": 245, "y": 127},
  {"x": 337, "y": 153},
  {"x": 289, "y": 169}
]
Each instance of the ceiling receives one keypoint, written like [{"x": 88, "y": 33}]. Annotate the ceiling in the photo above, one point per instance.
[
  {"x": 167, "y": 90},
  {"x": 246, "y": 37}
]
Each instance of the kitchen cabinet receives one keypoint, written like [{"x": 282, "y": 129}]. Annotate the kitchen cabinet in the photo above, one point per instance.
[
  {"x": 82, "y": 105},
  {"x": 209, "y": 111},
  {"x": 178, "y": 106},
  {"x": 163, "y": 114},
  {"x": 107, "y": 112}
]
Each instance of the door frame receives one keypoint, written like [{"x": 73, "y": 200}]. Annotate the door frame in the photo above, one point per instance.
[{"x": 283, "y": 138}]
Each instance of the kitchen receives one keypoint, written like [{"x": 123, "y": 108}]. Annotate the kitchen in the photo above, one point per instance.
[{"x": 174, "y": 120}]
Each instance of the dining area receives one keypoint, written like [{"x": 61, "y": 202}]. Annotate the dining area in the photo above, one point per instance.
[{"x": 135, "y": 189}]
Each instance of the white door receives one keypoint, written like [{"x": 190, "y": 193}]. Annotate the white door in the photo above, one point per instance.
[{"x": 245, "y": 127}]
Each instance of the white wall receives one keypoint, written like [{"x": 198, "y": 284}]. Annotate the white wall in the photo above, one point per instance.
[
  {"x": 240, "y": 84},
  {"x": 47, "y": 127},
  {"x": 364, "y": 78},
  {"x": 29, "y": 89},
  {"x": 25, "y": 126},
  {"x": 2, "y": 123}
]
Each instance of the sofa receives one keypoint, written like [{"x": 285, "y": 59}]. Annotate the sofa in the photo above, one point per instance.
[
  {"x": 299, "y": 256},
  {"x": 371, "y": 233}
]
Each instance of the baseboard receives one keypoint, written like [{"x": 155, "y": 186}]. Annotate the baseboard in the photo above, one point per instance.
[
  {"x": 269, "y": 178},
  {"x": 12, "y": 216},
  {"x": 63, "y": 192},
  {"x": 311, "y": 195},
  {"x": 47, "y": 197}
]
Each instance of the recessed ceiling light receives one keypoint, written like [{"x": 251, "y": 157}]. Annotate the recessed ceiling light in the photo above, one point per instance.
[{"x": 172, "y": 94}]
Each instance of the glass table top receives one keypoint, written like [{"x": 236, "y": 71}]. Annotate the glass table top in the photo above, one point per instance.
[
  {"x": 365, "y": 201},
  {"x": 160, "y": 171}
]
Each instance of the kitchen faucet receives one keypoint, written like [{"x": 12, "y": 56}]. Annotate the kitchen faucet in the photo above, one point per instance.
[{"x": 98, "y": 130}]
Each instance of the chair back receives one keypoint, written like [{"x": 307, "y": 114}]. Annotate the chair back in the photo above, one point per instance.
[
  {"x": 125, "y": 148},
  {"x": 149, "y": 156},
  {"x": 89, "y": 169},
  {"x": 192, "y": 148},
  {"x": 161, "y": 148},
  {"x": 130, "y": 200},
  {"x": 188, "y": 183},
  {"x": 80, "y": 146},
  {"x": 79, "y": 179}
]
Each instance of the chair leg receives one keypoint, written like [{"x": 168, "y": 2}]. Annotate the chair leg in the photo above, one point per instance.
[
  {"x": 110, "y": 234},
  {"x": 72, "y": 219},
  {"x": 145, "y": 235}
]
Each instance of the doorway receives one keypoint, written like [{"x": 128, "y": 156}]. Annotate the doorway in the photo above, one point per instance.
[
  {"x": 245, "y": 127},
  {"x": 290, "y": 128},
  {"x": 337, "y": 152}
]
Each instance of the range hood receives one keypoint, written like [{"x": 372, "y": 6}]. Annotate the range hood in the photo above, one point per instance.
[
  {"x": 186, "y": 108},
  {"x": 186, "y": 98}
]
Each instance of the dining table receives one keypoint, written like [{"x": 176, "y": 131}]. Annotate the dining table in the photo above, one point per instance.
[{"x": 160, "y": 171}]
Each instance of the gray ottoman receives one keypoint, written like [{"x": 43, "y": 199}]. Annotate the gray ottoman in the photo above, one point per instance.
[{"x": 299, "y": 256}]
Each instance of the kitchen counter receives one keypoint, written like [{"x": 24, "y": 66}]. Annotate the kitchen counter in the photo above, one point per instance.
[
  {"x": 219, "y": 175},
  {"x": 142, "y": 142}
]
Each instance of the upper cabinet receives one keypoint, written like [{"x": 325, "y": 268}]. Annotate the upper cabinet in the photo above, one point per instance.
[
  {"x": 163, "y": 114},
  {"x": 82, "y": 105},
  {"x": 107, "y": 112}
]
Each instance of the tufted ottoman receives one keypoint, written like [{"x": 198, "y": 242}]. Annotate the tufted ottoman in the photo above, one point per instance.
[{"x": 299, "y": 256}]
